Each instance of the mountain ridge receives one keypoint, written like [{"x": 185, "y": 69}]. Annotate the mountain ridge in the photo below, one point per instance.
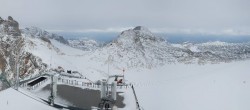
[
  {"x": 133, "y": 48},
  {"x": 40, "y": 33}
]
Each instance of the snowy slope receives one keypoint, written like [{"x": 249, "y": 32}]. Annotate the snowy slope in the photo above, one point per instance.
[
  {"x": 11, "y": 99},
  {"x": 191, "y": 87},
  {"x": 56, "y": 54},
  {"x": 223, "y": 86},
  {"x": 84, "y": 44},
  {"x": 52, "y": 53}
]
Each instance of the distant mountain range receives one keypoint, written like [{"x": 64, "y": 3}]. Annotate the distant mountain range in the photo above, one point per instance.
[
  {"x": 170, "y": 37},
  {"x": 133, "y": 48}
]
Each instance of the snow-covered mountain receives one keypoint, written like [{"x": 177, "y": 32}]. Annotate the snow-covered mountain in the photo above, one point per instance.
[
  {"x": 12, "y": 53},
  {"x": 137, "y": 47},
  {"x": 227, "y": 51},
  {"x": 84, "y": 44},
  {"x": 215, "y": 52},
  {"x": 40, "y": 33}
]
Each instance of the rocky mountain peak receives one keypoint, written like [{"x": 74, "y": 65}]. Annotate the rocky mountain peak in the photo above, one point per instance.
[
  {"x": 40, "y": 33},
  {"x": 138, "y": 47},
  {"x": 143, "y": 31},
  {"x": 10, "y": 18},
  {"x": 141, "y": 28},
  {"x": 35, "y": 32},
  {"x": 137, "y": 37},
  {"x": 9, "y": 27},
  {"x": 1, "y": 20}
]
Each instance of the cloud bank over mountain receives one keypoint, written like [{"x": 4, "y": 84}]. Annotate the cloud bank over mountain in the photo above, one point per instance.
[{"x": 213, "y": 16}]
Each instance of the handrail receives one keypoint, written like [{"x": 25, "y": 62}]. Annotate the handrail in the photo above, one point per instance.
[
  {"x": 88, "y": 84},
  {"x": 137, "y": 102}
]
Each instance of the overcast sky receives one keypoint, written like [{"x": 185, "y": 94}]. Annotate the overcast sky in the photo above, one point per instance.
[{"x": 189, "y": 16}]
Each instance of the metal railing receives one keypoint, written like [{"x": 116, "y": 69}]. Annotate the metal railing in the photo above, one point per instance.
[
  {"x": 89, "y": 84},
  {"x": 137, "y": 102}
]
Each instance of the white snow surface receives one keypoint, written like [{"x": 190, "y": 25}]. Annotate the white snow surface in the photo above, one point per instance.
[
  {"x": 11, "y": 99},
  {"x": 223, "y": 86},
  {"x": 218, "y": 43},
  {"x": 192, "y": 87}
]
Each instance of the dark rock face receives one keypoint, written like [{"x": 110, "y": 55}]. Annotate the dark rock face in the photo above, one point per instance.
[
  {"x": 2, "y": 62},
  {"x": 1, "y": 20},
  {"x": 46, "y": 40},
  {"x": 138, "y": 28},
  {"x": 10, "y": 18},
  {"x": 9, "y": 27},
  {"x": 59, "y": 38}
]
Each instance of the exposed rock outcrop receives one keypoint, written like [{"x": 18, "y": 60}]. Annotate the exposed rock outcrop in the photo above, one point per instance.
[{"x": 9, "y": 27}]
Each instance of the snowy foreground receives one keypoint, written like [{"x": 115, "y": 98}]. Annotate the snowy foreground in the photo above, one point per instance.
[
  {"x": 193, "y": 87},
  {"x": 11, "y": 99},
  {"x": 224, "y": 86}
]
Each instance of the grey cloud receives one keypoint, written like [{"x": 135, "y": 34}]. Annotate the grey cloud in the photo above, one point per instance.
[{"x": 211, "y": 15}]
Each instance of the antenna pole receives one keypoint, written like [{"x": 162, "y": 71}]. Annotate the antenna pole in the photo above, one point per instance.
[
  {"x": 123, "y": 75},
  {"x": 50, "y": 56},
  {"x": 17, "y": 63},
  {"x": 108, "y": 66}
]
